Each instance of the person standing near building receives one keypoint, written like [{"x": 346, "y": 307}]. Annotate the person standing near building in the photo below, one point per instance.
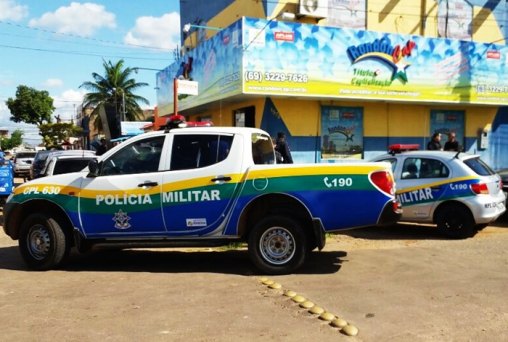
[
  {"x": 282, "y": 147},
  {"x": 435, "y": 142},
  {"x": 102, "y": 148},
  {"x": 452, "y": 144},
  {"x": 278, "y": 156}
]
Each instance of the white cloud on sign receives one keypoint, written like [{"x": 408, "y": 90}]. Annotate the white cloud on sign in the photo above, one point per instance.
[
  {"x": 11, "y": 10},
  {"x": 82, "y": 19},
  {"x": 158, "y": 32}
]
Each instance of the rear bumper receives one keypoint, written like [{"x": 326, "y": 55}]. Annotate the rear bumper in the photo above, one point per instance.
[
  {"x": 486, "y": 209},
  {"x": 22, "y": 170},
  {"x": 391, "y": 214}
]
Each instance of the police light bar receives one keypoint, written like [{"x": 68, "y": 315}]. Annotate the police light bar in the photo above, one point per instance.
[
  {"x": 199, "y": 124},
  {"x": 397, "y": 148}
]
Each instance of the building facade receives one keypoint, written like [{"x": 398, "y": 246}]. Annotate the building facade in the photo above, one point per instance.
[{"x": 346, "y": 79}]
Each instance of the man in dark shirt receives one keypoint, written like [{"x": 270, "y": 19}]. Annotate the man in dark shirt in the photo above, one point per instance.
[
  {"x": 452, "y": 144},
  {"x": 102, "y": 148},
  {"x": 282, "y": 147},
  {"x": 435, "y": 142}
]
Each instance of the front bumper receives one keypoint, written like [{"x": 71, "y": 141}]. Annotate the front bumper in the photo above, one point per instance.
[{"x": 8, "y": 211}]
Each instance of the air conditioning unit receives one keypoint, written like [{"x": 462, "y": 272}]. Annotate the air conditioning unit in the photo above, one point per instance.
[{"x": 313, "y": 8}]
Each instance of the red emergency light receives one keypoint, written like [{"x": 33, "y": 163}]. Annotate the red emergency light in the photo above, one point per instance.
[
  {"x": 199, "y": 123},
  {"x": 398, "y": 148}
]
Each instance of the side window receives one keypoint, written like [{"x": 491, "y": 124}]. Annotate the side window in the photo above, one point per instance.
[
  {"x": 262, "y": 149},
  {"x": 424, "y": 168},
  {"x": 432, "y": 168},
  {"x": 141, "y": 156},
  {"x": 195, "y": 151},
  {"x": 410, "y": 168}
]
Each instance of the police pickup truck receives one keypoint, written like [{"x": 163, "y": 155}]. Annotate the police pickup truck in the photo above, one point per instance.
[{"x": 200, "y": 187}]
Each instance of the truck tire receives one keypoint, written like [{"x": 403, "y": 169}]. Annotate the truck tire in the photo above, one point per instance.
[
  {"x": 42, "y": 242},
  {"x": 277, "y": 245},
  {"x": 455, "y": 221}
]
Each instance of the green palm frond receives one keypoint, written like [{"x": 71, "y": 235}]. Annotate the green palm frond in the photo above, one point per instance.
[{"x": 113, "y": 89}]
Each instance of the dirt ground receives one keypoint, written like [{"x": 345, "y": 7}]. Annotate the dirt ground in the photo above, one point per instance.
[{"x": 399, "y": 283}]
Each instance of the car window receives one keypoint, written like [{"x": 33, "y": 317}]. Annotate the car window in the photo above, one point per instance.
[
  {"x": 70, "y": 165},
  {"x": 262, "y": 149},
  {"x": 25, "y": 155},
  {"x": 424, "y": 168},
  {"x": 479, "y": 166},
  {"x": 41, "y": 155},
  {"x": 141, "y": 156},
  {"x": 410, "y": 168},
  {"x": 195, "y": 151}
]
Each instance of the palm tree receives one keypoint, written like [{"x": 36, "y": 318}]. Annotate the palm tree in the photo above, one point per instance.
[{"x": 115, "y": 93}]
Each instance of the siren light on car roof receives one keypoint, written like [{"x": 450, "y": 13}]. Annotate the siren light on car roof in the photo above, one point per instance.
[{"x": 398, "y": 148}]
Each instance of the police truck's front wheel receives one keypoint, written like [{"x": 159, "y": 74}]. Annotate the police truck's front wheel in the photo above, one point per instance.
[
  {"x": 42, "y": 242},
  {"x": 277, "y": 245}
]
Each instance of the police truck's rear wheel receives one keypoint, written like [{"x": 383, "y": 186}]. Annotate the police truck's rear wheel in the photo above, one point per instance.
[
  {"x": 277, "y": 245},
  {"x": 43, "y": 243}
]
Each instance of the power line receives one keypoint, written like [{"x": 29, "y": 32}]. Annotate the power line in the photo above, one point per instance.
[
  {"x": 78, "y": 53},
  {"x": 82, "y": 37}
]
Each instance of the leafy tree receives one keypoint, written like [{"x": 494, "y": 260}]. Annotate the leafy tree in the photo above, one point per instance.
[
  {"x": 53, "y": 134},
  {"x": 31, "y": 106},
  {"x": 16, "y": 139},
  {"x": 114, "y": 91}
]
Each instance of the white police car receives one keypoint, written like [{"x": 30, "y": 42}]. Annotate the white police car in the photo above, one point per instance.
[{"x": 457, "y": 191}]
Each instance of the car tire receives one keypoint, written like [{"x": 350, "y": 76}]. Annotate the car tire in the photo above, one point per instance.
[
  {"x": 455, "y": 222},
  {"x": 277, "y": 245},
  {"x": 481, "y": 226},
  {"x": 43, "y": 243}
]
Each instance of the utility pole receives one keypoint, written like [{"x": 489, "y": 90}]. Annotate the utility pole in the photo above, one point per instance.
[{"x": 123, "y": 106}]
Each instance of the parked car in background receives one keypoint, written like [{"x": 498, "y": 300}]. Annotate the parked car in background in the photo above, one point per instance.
[
  {"x": 6, "y": 178},
  {"x": 38, "y": 163},
  {"x": 57, "y": 165},
  {"x": 504, "y": 177},
  {"x": 22, "y": 162},
  {"x": 65, "y": 161},
  {"x": 457, "y": 191}
]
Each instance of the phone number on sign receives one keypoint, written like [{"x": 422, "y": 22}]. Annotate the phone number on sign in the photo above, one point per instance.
[{"x": 275, "y": 77}]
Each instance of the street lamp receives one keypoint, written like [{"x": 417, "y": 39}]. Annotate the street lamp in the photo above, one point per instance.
[
  {"x": 189, "y": 26},
  {"x": 151, "y": 69}
]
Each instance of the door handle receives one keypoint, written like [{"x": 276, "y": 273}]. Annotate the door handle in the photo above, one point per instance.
[
  {"x": 435, "y": 188},
  {"x": 221, "y": 179},
  {"x": 147, "y": 184}
]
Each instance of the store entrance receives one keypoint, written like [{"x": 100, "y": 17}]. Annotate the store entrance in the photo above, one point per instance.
[{"x": 245, "y": 117}]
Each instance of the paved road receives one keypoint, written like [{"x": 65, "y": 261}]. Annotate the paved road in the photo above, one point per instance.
[{"x": 400, "y": 283}]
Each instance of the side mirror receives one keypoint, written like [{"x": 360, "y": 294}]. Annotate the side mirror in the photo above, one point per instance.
[{"x": 93, "y": 168}]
